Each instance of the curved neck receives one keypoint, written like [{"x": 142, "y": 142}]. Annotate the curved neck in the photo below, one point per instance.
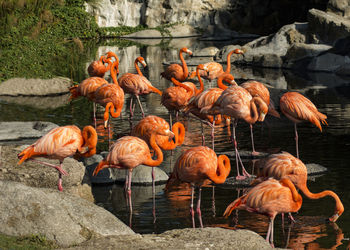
[
  {"x": 220, "y": 84},
  {"x": 180, "y": 84},
  {"x": 184, "y": 65},
  {"x": 108, "y": 67},
  {"x": 338, "y": 204},
  {"x": 254, "y": 115},
  {"x": 201, "y": 88},
  {"x": 228, "y": 59},
  {"x": 179, "y": 132},
  {"x": 150, "y": 162},
  {"x": 115, "y": 70},
  {"x": 137, "y": 67},
  {"x": 222, "y": 171},
  {"x": 101, "y": 59},
  {"x": 90, "y": 140},
  {"x": 115, "y": 112}
]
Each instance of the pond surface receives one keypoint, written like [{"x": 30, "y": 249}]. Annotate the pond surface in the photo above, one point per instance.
[{"x": 331, "y": 148}]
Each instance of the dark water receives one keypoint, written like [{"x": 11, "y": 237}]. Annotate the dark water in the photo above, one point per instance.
[{"x": 331, "y": 148}]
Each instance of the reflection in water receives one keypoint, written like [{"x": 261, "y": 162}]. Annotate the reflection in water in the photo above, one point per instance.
[{"x": 330, "y": 148}]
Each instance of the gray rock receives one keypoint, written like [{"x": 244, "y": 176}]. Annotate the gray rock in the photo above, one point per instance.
[
  {"x": 328, "y": 26},
  {"x": 206, "y": 52},
  {"x": 65, "y": 219},
  {"x": 35, "y": 87},
  {"x": 315, "y": 169},
  {"x": 328, "y": 62},
  {"x": 23, "y": 131},
  {"x": 205, "y": 238},
  {"x": 339, "y": 7},
  {"x": 144, "y": 34}
]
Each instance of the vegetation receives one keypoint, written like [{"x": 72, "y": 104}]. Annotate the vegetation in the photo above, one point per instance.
[{"x": 28, "y": 243}]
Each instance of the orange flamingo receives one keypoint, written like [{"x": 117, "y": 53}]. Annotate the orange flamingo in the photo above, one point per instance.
[
  {"x": 60, "y": 143},
  {"x": 298, "y": 108},
  {"x": 256, "y": 88},
  {"x": 177, "y": 71},
  {"x": 205, "y": 100},
  {"x": 215, "y": 69},
  {"x": 137, "y": 84},
  {"x": 269, "y": 198},
  {"x": 177, "y": 97},
  {"x": 196, "y": 166},
  {"x": 237, "y": 103},
  {"x": 285, "y": 165},
  {"x": 98, "y": 68},
  {"x": 147, "y": 125},
  {"x": 129, "y": 152}
]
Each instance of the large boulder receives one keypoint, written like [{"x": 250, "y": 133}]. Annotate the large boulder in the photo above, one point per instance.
[
  {"x": 65, "y": 219},
  {"x": 35, "y": 87},
  {"x": 205, "y": 238}
]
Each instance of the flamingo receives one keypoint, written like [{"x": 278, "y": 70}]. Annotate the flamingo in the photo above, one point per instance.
[
  {"x": 269, "y": 198},
  {"x": 128, "y": 152},
  {"x": 111, "y": 96},
  {"x": 298, "y": 108},
  {"x": 98, "y": 68},
  {"x": 207, "y": 99},
  {"x": 256, "y": 88},
  {"x": 285, "y": 165},
  {"x": 177, "y": 71},
  {"x": 237, "y": 103},
  {"x": 196, "y": 166},
  {"x": 137, "y": 84},
  {"x": 177, "y": 97},
  {"x": 145, "y": 127},
  {"x": 215, "y": 69},
  {"x": 60, "y": 143}
]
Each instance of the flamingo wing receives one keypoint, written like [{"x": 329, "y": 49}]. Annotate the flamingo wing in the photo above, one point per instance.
[{"x": 173, "y": 70}]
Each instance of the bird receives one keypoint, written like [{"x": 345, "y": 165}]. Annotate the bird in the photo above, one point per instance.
[
  {"x": 206, "y": 99},
  {"x": 196, "y": 166},
  {"x": 215, "y": 69},
  {"x": 237, "y": 103},
  {"x": 144, "y": 128},
  {"x": 128, "y": 152},
  {"x": 98, "y": 68},
  {"x": 298, "y": 108},
  {"x": 285, "y": 165},
  {"x": 110, "y": 96},
  {"x": 60, "y": 143},
  {"x": 137, "y": 84},
  {"x": 269, "y": 198},
  {"x": 175, "y": 98},
  {"x": 256, "y": 88},
  {"x": 177, "y": 71}
]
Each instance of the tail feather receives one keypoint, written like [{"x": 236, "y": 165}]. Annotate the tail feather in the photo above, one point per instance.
[
  {"x": 74, "y": 92},
  {"x": 26, "y": 154},
  {"x": 232, "y": 206}
]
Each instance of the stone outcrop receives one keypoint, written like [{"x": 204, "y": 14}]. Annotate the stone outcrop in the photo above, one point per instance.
[{"x": 60, "y": 217}]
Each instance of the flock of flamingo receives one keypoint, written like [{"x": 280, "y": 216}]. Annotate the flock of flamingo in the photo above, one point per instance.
[{"x": 274, "y": 191}]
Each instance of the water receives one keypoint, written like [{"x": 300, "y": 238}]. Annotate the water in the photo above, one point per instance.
[{"x": 331, "y": 94}]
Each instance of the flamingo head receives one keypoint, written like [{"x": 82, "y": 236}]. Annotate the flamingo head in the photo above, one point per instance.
[
  {"x": 238, "y": 51},
  {"x": 186, "y": 50},
  {"x": 230, "y": 79},
  {"x": 141, "y": 60},
  {"x": 111, "y": 54}
]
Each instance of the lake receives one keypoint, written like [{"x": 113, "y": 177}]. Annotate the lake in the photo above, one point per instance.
[{"x": 330, "y": 148}]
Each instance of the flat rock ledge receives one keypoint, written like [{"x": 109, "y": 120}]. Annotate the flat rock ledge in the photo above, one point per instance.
[
  {"x": 206, "y": 238},
  {"x": 65, "y": 219},
  {"x": 35, "y": 87}
]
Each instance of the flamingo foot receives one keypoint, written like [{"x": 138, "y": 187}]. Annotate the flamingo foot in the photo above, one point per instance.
[
  {"x": 255, "y": 153},
  {"x": 241, "y": 177},
  {"x": 59, "y": 184}
]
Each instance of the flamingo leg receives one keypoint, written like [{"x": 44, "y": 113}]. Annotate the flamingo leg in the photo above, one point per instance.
[
  {"x": 238, "y": 158},
  {"x": 94, "y": 107},
  {"x": 177, "y": 115},
  {"x": 109, "y": 134},
  {"x": 213, "y": 202},
  {"x": 138, "y": 100},
  {"x": 198, "y": 210},
  {"x": 212, "y": 133},
  {"x": 269, "y": 231},
  {"x": 154, "y": 196},
  {"x": 271, "y": 237},
  {"x": 191, "y": 206},
  {"x": 131, "y": 109},
  {"x": 254, "y": 153},
  {"x": 57, "y": 167},
  {"x": 296, "y": 139},
  {"x": 291, "y": 217},
  {"x": 203, "y": 138},
  {"x": 170, "y": 120},
  {"x": 129, "y": 191}
]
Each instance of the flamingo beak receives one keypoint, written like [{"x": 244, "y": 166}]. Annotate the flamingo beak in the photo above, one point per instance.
[
  {"x": 98, "y": 169},
  {"x": 233, "y": 82},
  {"x": 334, "y": 218},
  {"x": 105, "y": 124},
  {"x": 171, "y": 136},
  {"x": 144, "y": 64},
  {"x": 262, "y": 117},
  {"x": 84, "y": 150},
  {"x": 189, "y": 52}
]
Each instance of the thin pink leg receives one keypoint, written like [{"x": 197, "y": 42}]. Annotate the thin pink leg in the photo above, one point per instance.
[
  {"x": 129, "y": 190},
  {"x": 198, "y": 210},
  {"x": 254, "y": 153},
  {"x": 138, "y": 100},
  {"x": 203, "y": 138},
  {"x": 154, "y": 196},
  {"x": 131, "y": 110},
  {"x": 191, "y": 207},
  {"x": 58, "y": 168},
  {"x": 238, "y": 158},
  {"x": 213, "y": 202},
  {"x": 94, "y": 106},
  {"x": 291, "y": 217},
  {"x": 296, "y": 139},
  {"x": 212, "y": 133},
  {"x": 269, "y": 231}
]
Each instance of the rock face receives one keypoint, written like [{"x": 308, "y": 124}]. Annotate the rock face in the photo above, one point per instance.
[
  {"x": 35, "y": 87},
  {"x": 206, "y": 238},
  {"x": 60, "y": 217}
]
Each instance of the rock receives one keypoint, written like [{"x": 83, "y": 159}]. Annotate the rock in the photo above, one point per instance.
[
  {"x": 328, "y": 62},
  {"x": 339, "y": 7},
  {"x": 65, "y": 219},
  {"x": 104, "y": 176},
  {"x": 328, "y": 26},
  {"x": 232, "y": 182},
  {"x": 315, "y": 169},
  {"x": 35, "y": 87},
  {"x": 141, "y": 175},
  {"x": 23, "y": 131},
  {"x": 206, "y": 52},
  {"x": 144, "y": 34},
  {"x": 205, "y": 238}
]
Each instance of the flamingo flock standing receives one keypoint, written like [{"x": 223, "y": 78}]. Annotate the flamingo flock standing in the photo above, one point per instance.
[{"x": 274, "y": 190}]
